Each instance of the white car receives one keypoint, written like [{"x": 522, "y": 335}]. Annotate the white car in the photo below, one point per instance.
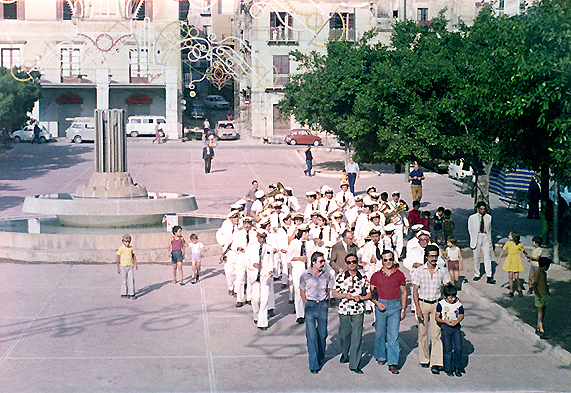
[
  {"x": 459, "y": 170},
  {"x": 26, "y": 134},
  {"x": 216, "y": 102}
]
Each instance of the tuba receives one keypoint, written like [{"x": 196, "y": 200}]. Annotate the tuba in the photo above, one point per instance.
[{"x": 280, "y": 189}]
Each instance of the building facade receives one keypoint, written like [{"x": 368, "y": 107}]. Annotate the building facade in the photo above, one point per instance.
[{"x": 97, "y": 54}]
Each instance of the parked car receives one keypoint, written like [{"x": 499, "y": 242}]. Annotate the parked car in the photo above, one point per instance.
[
  {"x": 197, "y": 110},
  {"x": 81, "y": 129},
  {"x": 144, "y": 125},
  {"x": 459, "y": 170},
  {"x": 26, "y": 134},
  {"x": 216, "y": 102},
  {"x": 302, "y": 137},
  {"x": 225, "y": 130}
]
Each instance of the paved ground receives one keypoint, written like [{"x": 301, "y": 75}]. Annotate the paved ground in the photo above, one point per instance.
[{"x": 65, "y": 328}]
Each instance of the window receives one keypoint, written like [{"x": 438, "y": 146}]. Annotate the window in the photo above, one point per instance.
[
  {"x": 138, "y": 9},
  {"x": 10, "y": 10},
  {"x": 281, "y": 69},
  {"x": 422, "y": 16},
  {"x": 183, "y": 8},
  {"x": 69, "y": 65},
  {"x": 342, "y": 26},
  {"x": 139, "y": 66},
  {"x": 280, "y": 26},
  {"x": 395, "y": 14},
  {"x": 9, "y": 57}
]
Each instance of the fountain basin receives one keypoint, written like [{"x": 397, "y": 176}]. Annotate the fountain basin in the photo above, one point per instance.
[
  {"x": 55, "y": 243},
  {"x": 109, "y": 212}
]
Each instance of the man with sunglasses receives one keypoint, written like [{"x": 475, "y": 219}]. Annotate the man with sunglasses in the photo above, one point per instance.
[
  {"x": 352, "y": 287},
  {"x": 389, "y": 296}
]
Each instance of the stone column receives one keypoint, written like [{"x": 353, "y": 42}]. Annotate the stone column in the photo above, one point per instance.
[{"x": 110, "y": 140}]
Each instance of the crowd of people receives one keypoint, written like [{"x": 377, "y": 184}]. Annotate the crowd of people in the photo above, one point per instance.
[
  {"x": 347, "y": 251},
  {"x": 340, "y": 250}
]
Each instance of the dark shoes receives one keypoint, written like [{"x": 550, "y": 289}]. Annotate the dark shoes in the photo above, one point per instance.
[
  {"x": 248, "y": 302},
  {"x": 357, "y": 370},
  {"x": 300, "y": 320},
  {"x": 239, "y": 304},
  {"x": 424, "y": 365},
  {"x": 435, "y": 370},
  {"x": 271, "y": 313},
  {"x": 262, "y": 328},
  {"x": 393, "y": 369},
  {"x": 490, "y": 280},
  {"x": 477, "y": 278},
  {"x": 343, "y": 360},
  {"x": 314, "y": 371}
]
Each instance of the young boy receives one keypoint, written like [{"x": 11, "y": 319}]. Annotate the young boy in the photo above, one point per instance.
[
  {"x": 454, "y": 261},
  {"x": 449, "y": 314},
  {"x": 536, "y": 241},
  {"x": 437, "y": 223},
  {"x": 542, "y": 297},
  {"x": 177, "y": 252},
  {"x": 126, "y": 260},
  {"x": 448, "y": 224},
  {"x": 425, "y": 221}
]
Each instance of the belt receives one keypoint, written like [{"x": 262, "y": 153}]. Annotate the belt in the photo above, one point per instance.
[
  {"x": 428, "y": 301},
  {"x": 317, "y": 301}
]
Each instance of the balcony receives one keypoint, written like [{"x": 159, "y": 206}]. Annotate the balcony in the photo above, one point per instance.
[{"x": 280, "y": 36}]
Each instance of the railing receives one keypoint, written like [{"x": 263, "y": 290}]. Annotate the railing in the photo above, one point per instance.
[
  {"x": 280, "y": 79},
  {"x": 280, "y": 34}
]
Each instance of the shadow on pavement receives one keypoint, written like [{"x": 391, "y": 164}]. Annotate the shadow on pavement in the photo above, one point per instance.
[{"x": 34, "y": 161}]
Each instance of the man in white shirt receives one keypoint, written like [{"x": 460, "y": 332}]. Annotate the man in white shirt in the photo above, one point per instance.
[
  {"x": 312, "y": 204},
  {"x": 225, "y": 237},
  {"x": 345, "y": 198},
  {"x": 327, "y": 203}
]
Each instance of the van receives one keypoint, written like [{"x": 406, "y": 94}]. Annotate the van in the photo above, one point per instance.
[
  {"x": 144, "y": 125},
  {"x": 81, "y": 129}
]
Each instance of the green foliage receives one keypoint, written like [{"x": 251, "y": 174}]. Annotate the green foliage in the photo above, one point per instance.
[
  {"x": 17, "y": 98},
  {"x": 497, "y": 91}
]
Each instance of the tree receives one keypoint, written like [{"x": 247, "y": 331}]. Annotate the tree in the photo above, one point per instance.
[{"x": 17, "y": 97}]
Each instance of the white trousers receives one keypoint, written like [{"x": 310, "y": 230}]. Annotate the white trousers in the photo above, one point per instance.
[
  {"x": 229, "y": 269},
  {"x": 260, "y": 300},
  {"x": 483, "y": 249},
  {"x": 297, "y": 269},
  {"x": 241, "y": 283}
]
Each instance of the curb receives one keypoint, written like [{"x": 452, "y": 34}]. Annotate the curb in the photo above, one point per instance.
[{"x": 543, "y": 345}]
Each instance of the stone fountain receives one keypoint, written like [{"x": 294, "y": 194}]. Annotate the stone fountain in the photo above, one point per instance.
[{"x": 111, "y": 198}]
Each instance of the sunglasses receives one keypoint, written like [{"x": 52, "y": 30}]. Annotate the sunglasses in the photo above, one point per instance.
[{"x": 351, "y": 262}]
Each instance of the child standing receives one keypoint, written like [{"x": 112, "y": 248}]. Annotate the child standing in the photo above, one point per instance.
[
  {"x": 437, "y": 223},
  {"x": 537, "y": 241},
  {"x": 425, "y": 220},
  {"x": 449, "y": 314},
  {"x": 344, "y": 176},
  {"x": 196, "y": 249},
  {"x": 542, "y": 297},
  {"x": 513, "y": 264},
  {"x": 176, "y": 252},
  {"x": 453, "y": 259},
  {"x": 448, "y": 224},
  {"x": 126, "y": 260}
]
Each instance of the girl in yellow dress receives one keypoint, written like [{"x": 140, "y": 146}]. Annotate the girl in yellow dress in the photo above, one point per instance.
[{"x": 513, "y": 264}]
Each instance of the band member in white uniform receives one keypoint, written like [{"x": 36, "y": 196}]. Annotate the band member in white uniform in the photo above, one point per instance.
[
  {"x": 327, "y": 204},
  {"x": 362, "y": 225},
  {"x": 399, "y": 220},
  {"x": 242, "y": 240},
  {"x": 257, "y": 206},
  {"x": 260, "y": 263},
  {"x": 352, "y": 213},
  {"x": 291, "y": 201},
  {"x": 345, "y": 197},
  {"x": 225, "y": 237},
  {"x": 312, "y": 204}
]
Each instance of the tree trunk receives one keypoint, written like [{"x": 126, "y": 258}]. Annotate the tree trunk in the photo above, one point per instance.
[
  {"x": 482, "y": 187},
  {"x": 544, "y": 203}
]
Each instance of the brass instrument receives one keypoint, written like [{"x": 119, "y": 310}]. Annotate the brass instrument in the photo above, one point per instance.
[
  {"x": 280, "y": 189},
  {"x": 402, "y": 206},
  {"x": 342, "y": 208}
]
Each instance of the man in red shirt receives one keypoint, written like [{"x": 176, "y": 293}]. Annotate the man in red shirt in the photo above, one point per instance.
[{"x": 389, "y": 297}]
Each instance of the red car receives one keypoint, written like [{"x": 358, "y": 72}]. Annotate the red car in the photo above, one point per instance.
[{"x": 302, "y": 137}]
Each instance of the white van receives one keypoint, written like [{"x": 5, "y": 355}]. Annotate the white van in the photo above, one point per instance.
[
  {"x": 144, "y": 125},
  {"x": 81, "y": 129}
]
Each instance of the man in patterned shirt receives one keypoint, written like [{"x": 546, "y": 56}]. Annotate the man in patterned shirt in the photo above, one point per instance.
[{"x": 353, "y": 289}]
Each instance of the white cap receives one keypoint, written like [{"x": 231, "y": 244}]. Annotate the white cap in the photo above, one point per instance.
[{"x": 259, "y": 194}]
